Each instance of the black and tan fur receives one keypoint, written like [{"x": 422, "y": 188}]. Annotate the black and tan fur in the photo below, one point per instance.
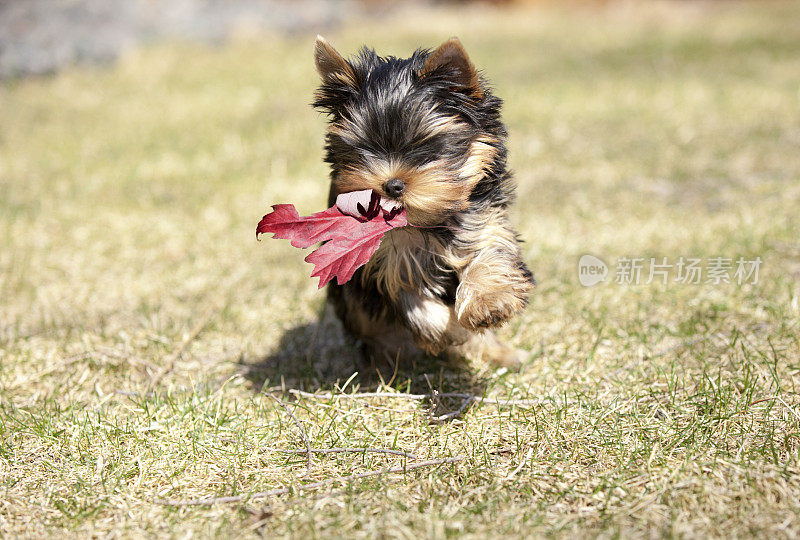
[{"x": 432, "y": 124}]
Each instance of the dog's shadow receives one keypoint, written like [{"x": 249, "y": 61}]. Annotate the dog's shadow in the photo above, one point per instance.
[{"x": 320, "y": 356}]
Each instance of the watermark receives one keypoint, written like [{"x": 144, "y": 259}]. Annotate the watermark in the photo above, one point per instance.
[
  {"x": 591, "y": 270},
  {"x": 683, "y": 270}
]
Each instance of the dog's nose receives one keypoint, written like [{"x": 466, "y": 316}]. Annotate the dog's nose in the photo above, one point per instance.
[{"x": 394, "y": 187}]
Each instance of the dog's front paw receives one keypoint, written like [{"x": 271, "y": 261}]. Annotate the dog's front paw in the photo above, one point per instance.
[{"x": 487, "y": 309}]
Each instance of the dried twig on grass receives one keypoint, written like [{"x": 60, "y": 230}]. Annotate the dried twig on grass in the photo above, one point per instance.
[
  {"x": 336, "y": 450},
  {"x": 522, "y": 463},
  {"x": 455, "y": 414},
  {"x": 421, "y": 397},
  {"x": 333, "y": 450},
  {"x": 306, "y": 442},
  {"x": 358, "y": 395},
  {"x": 314, "y": 485},
  {"x": 789, "y": 407}
]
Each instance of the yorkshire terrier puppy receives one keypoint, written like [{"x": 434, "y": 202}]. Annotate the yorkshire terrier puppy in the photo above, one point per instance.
[{"x": 425, "y": 131}]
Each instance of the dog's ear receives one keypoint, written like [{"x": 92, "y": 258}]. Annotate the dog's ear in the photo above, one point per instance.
[
  {"x": 453, "y": 59},
  {"x": 330, "y": 64}
]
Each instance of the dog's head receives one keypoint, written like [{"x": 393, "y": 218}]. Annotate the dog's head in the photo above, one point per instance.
[{"x": 424, "y": 130}]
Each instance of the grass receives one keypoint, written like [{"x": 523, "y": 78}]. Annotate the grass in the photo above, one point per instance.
[{"x": 142, "y": 326}]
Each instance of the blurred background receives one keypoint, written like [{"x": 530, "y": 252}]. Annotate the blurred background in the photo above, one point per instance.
[{"x": 41, "y": 36}]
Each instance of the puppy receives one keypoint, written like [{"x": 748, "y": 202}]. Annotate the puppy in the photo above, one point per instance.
[{"x": 425, "y": 131}]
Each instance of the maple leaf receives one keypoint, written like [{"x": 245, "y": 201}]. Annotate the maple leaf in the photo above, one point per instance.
[
  {"x": 285, "y": 223},
  {"x": 352, "y": 231}
]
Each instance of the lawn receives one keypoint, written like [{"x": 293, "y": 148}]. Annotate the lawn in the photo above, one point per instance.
[{"x": 153, "y": 353}]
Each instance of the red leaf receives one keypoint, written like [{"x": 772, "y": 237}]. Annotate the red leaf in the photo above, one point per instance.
[
  {"x": 285, "y": 223},
  {"x": 342, "y": 256},
  {"x": 351, "y": 237}
]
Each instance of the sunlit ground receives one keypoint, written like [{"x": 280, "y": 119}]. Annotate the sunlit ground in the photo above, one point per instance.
[{"x": 142, "y": 325}]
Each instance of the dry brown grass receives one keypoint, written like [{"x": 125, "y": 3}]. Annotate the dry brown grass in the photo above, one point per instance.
[{"x": 141, "y": 324}]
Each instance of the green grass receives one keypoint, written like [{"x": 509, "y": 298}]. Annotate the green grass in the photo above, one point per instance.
[{"x": 141, "y": 324}]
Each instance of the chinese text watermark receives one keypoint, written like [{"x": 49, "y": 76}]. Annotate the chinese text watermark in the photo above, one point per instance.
[{"x": 683, "y": 270}]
